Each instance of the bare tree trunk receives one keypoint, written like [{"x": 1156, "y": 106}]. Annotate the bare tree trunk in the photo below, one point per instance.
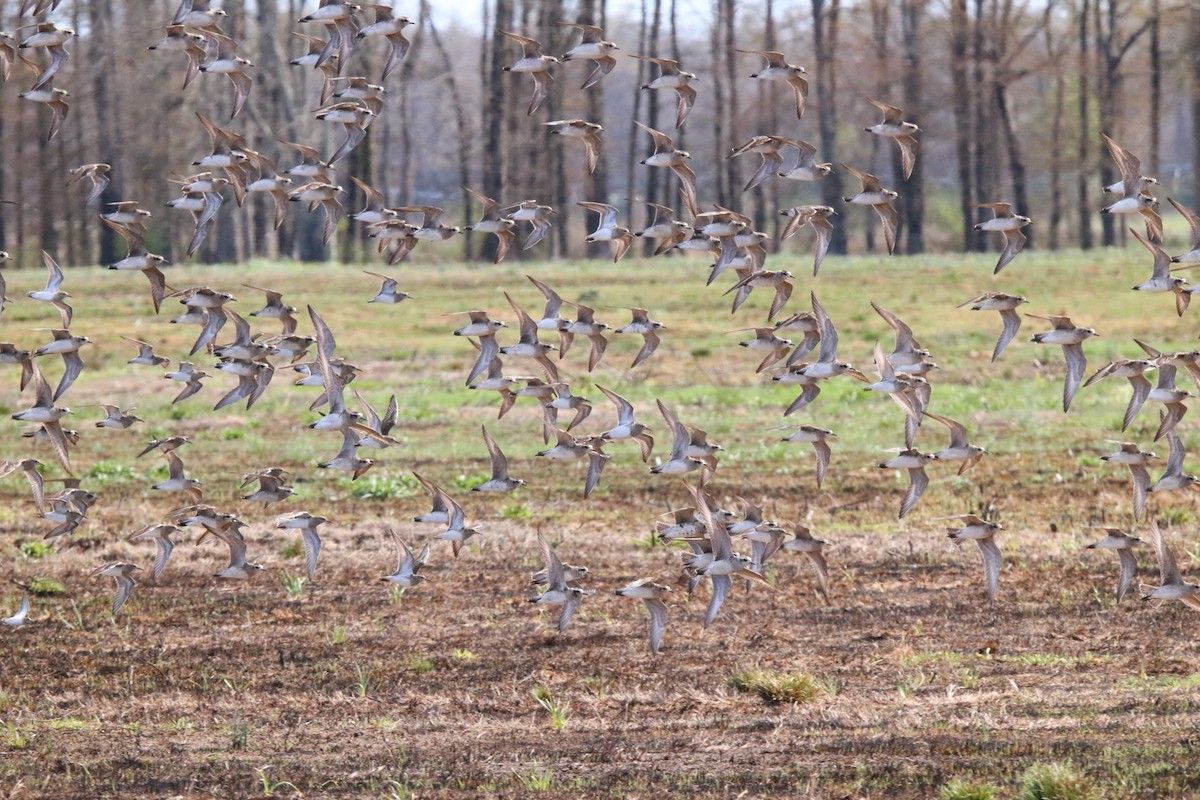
[
  {"x": 1016, "y": 162},
  {"x": 733, "y": 182},
  {"x": 48, "y": 196},
  {"x": 463, "y": 134},
  {"x": 106, "y": 99},
  {"x": 1111, "y": 49},
  {"x": 4, "y": 155},
  {"x": 1054, "y": 224},
  {"x": 1155, "y": 87},
  {"x": 914, "y": 187},
  {"x": 550, "y": 162},
  {"x": 1195, "y": 64},
  {"x": 1106, "y": 99},
  {"x": 592, "y": 13},
  {"x": 962, "y": 118},
  {"x": 632, "y": 210},
  {"x": 767, "y": 195},
  {"x": 983, "y": 137},
  {"x": 719, "y": 90},
  {"x": 825, "y": 15},
  {"x": 1086, "y": 240},
  {"x": 494, "y": 108},
  {"x": 655, "y": 192},
  {"x": 880, "y": 19}
]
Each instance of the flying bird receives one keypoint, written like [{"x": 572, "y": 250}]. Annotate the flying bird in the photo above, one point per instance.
[{"x": 778, "y": 69}]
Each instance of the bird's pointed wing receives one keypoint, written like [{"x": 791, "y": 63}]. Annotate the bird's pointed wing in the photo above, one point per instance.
[
  {"x": 1012, "y": 324},
  {"x": 918, "y": 480},
  {"x": 1128, "y": 568},
  {"x": 1076, "y": 366},
  {"x": 658, "y": 621},
  {"x": 991, "y": 565},
  {"x": 554, "y": 568},
  {"x": 720, "y": 589}
]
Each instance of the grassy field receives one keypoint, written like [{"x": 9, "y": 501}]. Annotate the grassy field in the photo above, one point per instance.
[{"x": 904, "y": 681}]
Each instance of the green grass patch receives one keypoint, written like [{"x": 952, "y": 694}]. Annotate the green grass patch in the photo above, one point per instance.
[
  {"x": 45, "y": 587},
  {"x": 1056, "y": 781},
  {"x": 776, "y": 687}
]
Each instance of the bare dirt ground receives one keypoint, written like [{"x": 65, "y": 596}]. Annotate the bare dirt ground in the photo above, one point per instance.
[{"x": 216, "y": 690}]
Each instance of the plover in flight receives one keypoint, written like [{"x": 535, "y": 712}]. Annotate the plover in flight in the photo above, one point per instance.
[
  {"x": 650, "y": 593},
  {"x": 873, "y": 194},
  {"x": 1136, "y": 459},
  {"x": 1006, "y": 304},
  {"x": 1123, "y": 543},
  {"x": 914, "y": 462},
  {"x": 500, "y": 480},
  {"x": 1070, "y": 337},
  {"x": 407, "y": 566},
  {"x": 160, "y": 534},
  {"x": 1172, "y": 585},
  {"x": 22, "y": 616},
  {"x": 593, "y": 47},
  {"x": 778, "y": 69},
  {"x": 672, "y": 77},
  {"x": 1006, "y": 222},
  {"x": 902, "y": 133},
  {"x": 536, "y": 64},
  {"x": 122, "y": 575},
  {"x": 558, "y": 591},
  {"x": 982, "y": 533}
]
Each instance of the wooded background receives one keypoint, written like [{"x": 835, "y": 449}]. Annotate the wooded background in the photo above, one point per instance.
[{"x": 1011, "y": 98}]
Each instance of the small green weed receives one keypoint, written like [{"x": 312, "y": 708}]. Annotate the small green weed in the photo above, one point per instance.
[
  {"x": 383, "y": 487},
  {"x": 293, "y": 584},
  {"x": 557, "y": 709},
  {"x": 45, "y": 587},
  {"x": 35, "y": 549},
  {"x": 538, "y": 779}
]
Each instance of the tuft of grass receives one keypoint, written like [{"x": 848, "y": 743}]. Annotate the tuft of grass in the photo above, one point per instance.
[
  {"x": 465, "y": 483},
  {"x": 538, "y": 779},
  {"x": 35, "y": 549},
  {"x": 1175, "y": 517},
  {"x": 557, "y": 709},
  {"x": 419, "y": 664},
  {"x": 909, "y": 685},
  {"x": 1056, "y": 781},
  {"x": 12, "y": 737},
  {"x": 336, "y": 635},
  {"x": 383, "y": 487},
  {"x": 398, "y": 791},
  {"x": 515, "y": 511},
  {"x": 45, "y": 587},
  {"x": 270, "y": 787},
  {"x": 105, "y": 472},
  {"x": 293, "y": 584},
  {"x": 364, "y": 683},
  {"x": 776, "y": 687},
  {"x": 292, "y": 548},
  {"x": 461, "y": 654},
  {"x": 958, "y": 789}
]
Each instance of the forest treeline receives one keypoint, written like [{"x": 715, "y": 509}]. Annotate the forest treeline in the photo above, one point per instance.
[{"x": 1011, "y": 98}]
